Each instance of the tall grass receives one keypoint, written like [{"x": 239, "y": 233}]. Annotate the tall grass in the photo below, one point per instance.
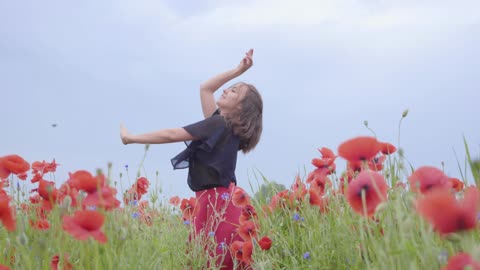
[{"x": 303, "y": 236}]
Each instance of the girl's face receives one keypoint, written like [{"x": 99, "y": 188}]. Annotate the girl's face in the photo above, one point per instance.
[{"x": 232, "y": 97}]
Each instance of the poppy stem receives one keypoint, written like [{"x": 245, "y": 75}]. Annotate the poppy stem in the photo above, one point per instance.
[
  {"x": 364, "y": 201},
  {"x": 147, "y": 146}
]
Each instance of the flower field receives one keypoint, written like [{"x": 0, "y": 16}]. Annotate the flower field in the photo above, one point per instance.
[{"x": 376, "y": 213}]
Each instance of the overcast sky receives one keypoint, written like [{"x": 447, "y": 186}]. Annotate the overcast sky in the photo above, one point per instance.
[{"x": 323, "y": 68}]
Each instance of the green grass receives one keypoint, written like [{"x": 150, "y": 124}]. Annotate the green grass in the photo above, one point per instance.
[
  {"x": 303, "y": 237},
  {"x": 337, "y": 239}
]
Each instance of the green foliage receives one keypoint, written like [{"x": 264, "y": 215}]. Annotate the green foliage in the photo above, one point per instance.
[
  {"x": 302, "y": 236},
  {"x": 266, "y": 191}
]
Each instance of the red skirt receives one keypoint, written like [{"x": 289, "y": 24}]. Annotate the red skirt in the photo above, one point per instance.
[{"x": 216, "y": 217}]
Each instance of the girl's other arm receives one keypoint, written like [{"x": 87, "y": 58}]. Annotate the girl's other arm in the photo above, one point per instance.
[
  {"x": 210, "y": 86},
  {"x": 157, "y": 137}
]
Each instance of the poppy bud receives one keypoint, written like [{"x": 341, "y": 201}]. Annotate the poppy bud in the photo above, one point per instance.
[
  {"x": 67, "y": 202},
  {"x": 22, "y": 239},
  {"x": 123, "y": 234},
  {"x": 382, "y": 206},
  {"x": 405, "y": 113}
]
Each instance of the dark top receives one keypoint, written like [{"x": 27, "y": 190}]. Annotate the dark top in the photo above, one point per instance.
[{"x": 211, "y": 159}]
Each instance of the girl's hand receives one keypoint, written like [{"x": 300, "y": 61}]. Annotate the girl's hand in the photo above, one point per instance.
[
  {"x": 247, "y": 62},
  {"x": 124, "y": 134}
]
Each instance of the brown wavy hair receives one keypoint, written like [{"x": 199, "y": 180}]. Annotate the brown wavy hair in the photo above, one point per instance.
[{"x": 247, "y": 122}]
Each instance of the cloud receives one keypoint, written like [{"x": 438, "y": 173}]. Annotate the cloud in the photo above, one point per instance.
[
  {"x": 382, "y": 27},
  {"x": 349, "y": 13}
]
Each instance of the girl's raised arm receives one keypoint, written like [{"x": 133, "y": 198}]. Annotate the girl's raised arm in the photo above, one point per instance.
[{"x": 210, "y": 86}]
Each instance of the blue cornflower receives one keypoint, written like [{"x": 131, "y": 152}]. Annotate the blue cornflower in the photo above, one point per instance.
[
  {"x": 225, "y": 196},
  {"x": 211, "y": 234},
  {"x": 186, "y": 222},
  {"x": 306, "y": 255},
  {"x": 297, "y": 217},
  {"x": 126, "y": 166},
  {"x": 478, "y": 216},
  {"x": 443, "y": 257},
  {"x": 133, "y": 203},
  {"x": 135, "y": 215},
  {"x": 222, "y": 245},
  {"x": 92, "y": 207}
]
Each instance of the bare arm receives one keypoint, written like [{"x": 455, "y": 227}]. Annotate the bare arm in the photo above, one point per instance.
[
  {"x": 157, "y": 137},
  {"x": 210, "y": 86}
]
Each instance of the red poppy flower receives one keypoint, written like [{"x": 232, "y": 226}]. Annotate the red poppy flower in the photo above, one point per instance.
[
  {"x": 4, "y": 267},
  {"x": 85, "y": 224},
  {"x": 103, "y": 198},
  {"x": 359, "y": 149},
  {"x": 376, "y": 164},
  {"x": 142, "y": 185},
  {"x": 39, "y": 207},
  {"x": 319, "y": 174},
  {"x": 322, "y": 163},
  {"x": 247, "y": 230},
  {"x": 315, "y": 198},
  {"x": 427, "y": 178},
  {"x": 356, "y": 166},
  {"x": 7, "y": 215},
  {"x": 40, "y": 224},
  {"x": 321, "y": 184},
  {"x": 142, "y": 205},
  {"x": 175, "y": 200},
  {"x": 375, "y": 188},
  {"x": 131, "y": 196},
  {"x": 242, "y": 251},
  {"x": 345, "y": 179},
  {"x": 274, "y": 203},
  {"x": 247, "y": 250},
  {"x": 299, "y": 190},
  {"x": 265, "y": 243},
  {"x": 327, "y": 160},
  {"x": 456, "y": 184},
  {"x": 188, "y": 207},
  {"x": 327, "y": 153},
  {"x": 236, "y": 248},
  {"x": 462, "y": 261},
  {"x": 446, "y": 214},
  {"x": 401, "y": 185},
  {"x": 387, "y": 148},
  {"x": 36, "y": 177},
  {"x": 83, "y": 180},
  {"x": 12, "y": 164},
  {"x": 145, "y": 217},
  {"x": 4, "y": 173},
  {"x": 248, "y": 213},
  {"x": 65, "y": 191},
  {"x": 44, "y": 167},
  {"x": 46, "y": 190},
  {"x": 240, "y": 198},
  {"x": 283, "y": 199},
  {"x": 2, "y": 192},
  {"x": 22, "y": 176},
  {"x": 66, "y": 264}
]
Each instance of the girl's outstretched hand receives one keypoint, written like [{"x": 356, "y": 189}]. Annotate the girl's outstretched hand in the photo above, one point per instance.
[
  {"x": 124, "y": 134},
  {"x": 247, "y": 61}
]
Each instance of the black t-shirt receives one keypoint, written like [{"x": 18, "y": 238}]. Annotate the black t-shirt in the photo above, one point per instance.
[{"x": 211, "y": 158}]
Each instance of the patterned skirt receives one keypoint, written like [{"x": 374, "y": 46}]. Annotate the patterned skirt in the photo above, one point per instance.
[{"x": 216, "y": 218}]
